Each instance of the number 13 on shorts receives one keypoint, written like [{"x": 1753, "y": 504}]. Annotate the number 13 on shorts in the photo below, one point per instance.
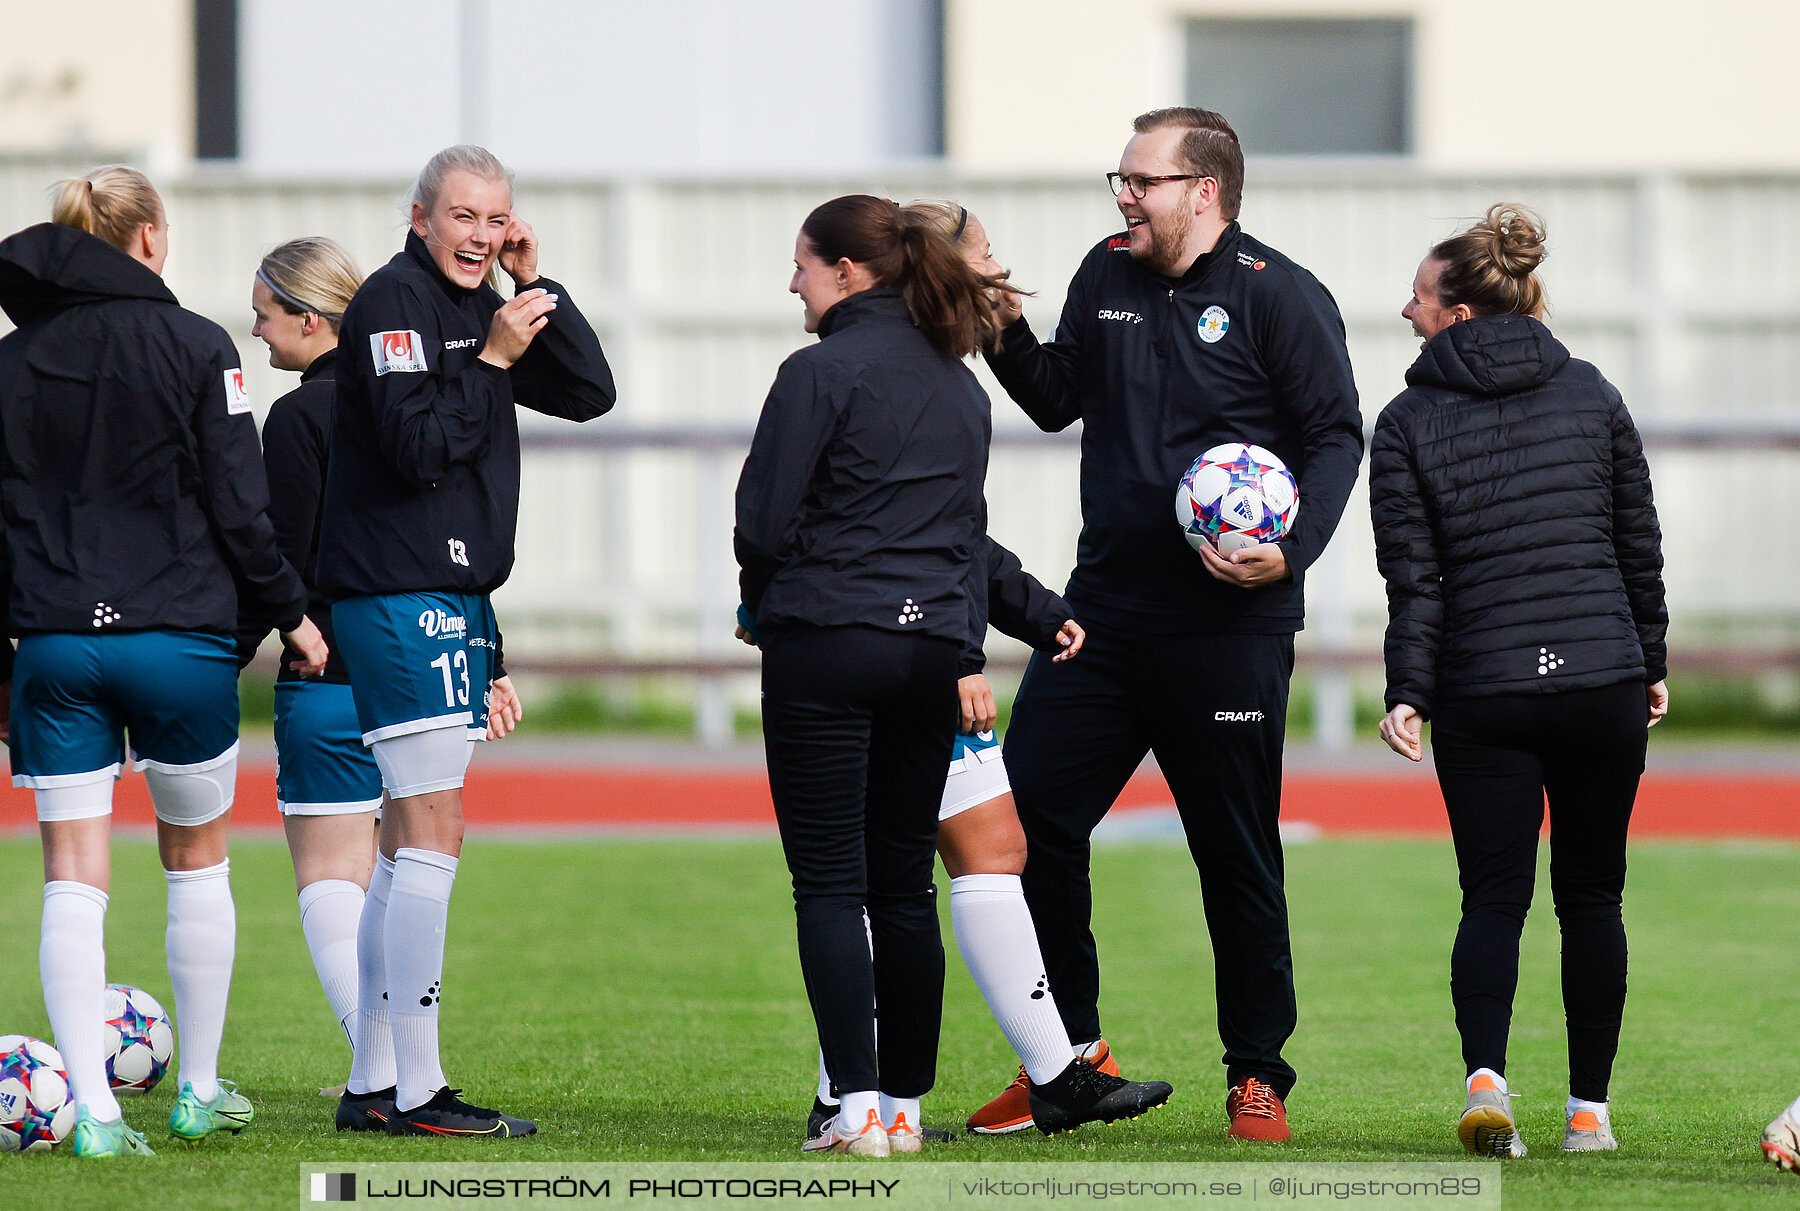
[{"x": 456, "y": 683}]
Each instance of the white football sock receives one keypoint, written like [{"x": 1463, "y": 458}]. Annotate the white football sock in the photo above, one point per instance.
[
  {"x": 1793, "y": 1110},
  {"x": 825, "y": 1083},
  {"x": 855, "y": 1109},
  {"x": 418, "y": 909},
  {"x": 893, "y": 1107},
  {"x": 72, "y": 966},
  {"x": 372, "y": 1059},
  {"x": 994, "y": 932},
  {"x": 201, "y": 942},
  {"x": 330, "y": 911}
]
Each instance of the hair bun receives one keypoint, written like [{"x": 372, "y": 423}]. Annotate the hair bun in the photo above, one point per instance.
[{"x": 1516, "y": 237}]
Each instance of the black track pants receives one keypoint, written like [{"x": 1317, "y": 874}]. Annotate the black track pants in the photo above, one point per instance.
[
  {"x": 1497, "y": 759},
  {"x": 858, "y": 725},
  {"x": 1214, "y": 710}
]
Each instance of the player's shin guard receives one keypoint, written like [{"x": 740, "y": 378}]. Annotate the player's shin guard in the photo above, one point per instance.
[
  {"x": 330, "y": 912},
  {"x": 72, "y": 965},
  {"x": 372, "y": 1060},
  {"x": 994, "y": 932},
  {"x": 201, "y": 942},
  {"x": 418, "y": 909}
]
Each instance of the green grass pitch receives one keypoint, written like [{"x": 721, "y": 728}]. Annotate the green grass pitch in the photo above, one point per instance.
[{"x": 642, "y": 1000}]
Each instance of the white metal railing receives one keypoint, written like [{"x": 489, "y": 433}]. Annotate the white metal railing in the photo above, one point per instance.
[{"x": 1683, "y": 288}]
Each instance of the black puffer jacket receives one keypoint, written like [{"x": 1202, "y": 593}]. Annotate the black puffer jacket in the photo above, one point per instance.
[{"x": 1513, "y": 523}]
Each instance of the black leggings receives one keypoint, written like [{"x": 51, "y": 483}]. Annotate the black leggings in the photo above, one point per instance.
[
  {"x": 1497, "y": 758},
  {"x": 858, "y": 725}
]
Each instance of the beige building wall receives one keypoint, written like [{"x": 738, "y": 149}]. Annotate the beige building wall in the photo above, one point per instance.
[
  {"x": 1038, "y": 85},
  {"x": 112, "y": 75}
]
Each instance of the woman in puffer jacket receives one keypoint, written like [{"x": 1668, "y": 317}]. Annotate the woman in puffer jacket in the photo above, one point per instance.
[{"x": 1515, "y": 528}]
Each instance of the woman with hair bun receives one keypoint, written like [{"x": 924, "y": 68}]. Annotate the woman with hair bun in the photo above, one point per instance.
[
  {"x": 136, "y": 536},
  {"x": 860, "y": 530},
  {"x": 1515, "y": 527}
]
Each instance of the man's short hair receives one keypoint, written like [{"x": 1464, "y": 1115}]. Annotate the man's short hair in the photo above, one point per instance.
[{"x": 1210, "y": 148}]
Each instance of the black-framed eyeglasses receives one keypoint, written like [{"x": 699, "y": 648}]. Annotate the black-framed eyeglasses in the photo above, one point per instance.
[{"x": 1140, "y": 184}]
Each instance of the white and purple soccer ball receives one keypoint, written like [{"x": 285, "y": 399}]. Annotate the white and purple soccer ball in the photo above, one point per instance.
[
  {"x": 37, "y": 1111},
  {"x": 138, "y": 1041},
  {"x": 1236, "y": 496}
]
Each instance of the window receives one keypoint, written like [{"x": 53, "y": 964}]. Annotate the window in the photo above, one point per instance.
[{"x": 1302, "y": 87}]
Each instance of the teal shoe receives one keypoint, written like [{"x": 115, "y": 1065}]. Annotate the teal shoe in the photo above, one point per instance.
[
  {"x": 94, "y": 1138},
  {"x": 193, "y": 1120}
]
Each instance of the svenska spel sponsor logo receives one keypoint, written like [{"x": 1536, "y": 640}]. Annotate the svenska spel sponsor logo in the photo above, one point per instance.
[
  {"x": 237, "y": 396},
  {"x": 397, "y": 351}
]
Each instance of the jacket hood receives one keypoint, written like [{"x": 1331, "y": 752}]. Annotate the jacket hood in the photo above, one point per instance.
[
  {"x": 51, "y": 267},
  {"x": 1489, "y": 355}
]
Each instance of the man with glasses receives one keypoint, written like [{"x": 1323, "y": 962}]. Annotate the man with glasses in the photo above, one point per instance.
[{"x": 1180, "y": 334}]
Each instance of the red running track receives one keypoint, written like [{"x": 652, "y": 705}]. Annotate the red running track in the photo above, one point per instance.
[{"x": 510, "y": 796}]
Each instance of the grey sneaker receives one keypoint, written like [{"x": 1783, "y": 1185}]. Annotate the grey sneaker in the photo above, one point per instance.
[
  {"x": 1487, "y": 1127},
  {"x": 1588, "y": 1132}
]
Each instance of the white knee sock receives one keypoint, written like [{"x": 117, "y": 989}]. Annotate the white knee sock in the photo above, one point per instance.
[
  {"x": 201, "y": 944},
  {"x": 825, "y": 1083},
  {"x": 994, "y": 932},
  {"x": 372, "y": 1059},
  {"x": 418, "y": 908},
  {"x": 72, "y": 965},
  {"x": 330, "y": 911}
]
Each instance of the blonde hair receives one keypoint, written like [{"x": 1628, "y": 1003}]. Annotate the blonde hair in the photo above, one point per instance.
[
  {"x": 464, "y": 157},
  {"x": 1492, "y": 266},
  {"x": 112, "y": 202},
  {"x": 312, "y": 274}
]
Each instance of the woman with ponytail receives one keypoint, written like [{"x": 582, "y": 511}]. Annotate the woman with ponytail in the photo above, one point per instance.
[
  {"x": 860, "y": 530},
  {"x": 1059, "y": 1087},
  {"x": 327, "y": 786},
  {"x": 137, "y": 536},
  {"x": 1516, "y": 530},
  {"x": 416, "y": 530}
]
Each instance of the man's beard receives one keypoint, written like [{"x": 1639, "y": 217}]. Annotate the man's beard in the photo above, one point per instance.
[{"x": 1168, "y": 237}]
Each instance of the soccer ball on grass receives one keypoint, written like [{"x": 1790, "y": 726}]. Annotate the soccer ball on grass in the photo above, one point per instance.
[
  {"x": 138, "y": 1041},
  {"x": 36, "y": 1109}
]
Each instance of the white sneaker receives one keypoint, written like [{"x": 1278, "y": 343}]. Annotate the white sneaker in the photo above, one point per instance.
[
  {"x": 1487, "y": 1127},
  {"x": 902, "y": 1137},
  {"x": 1781, "y": 1143},
  {"x": 872, "y": 1140},
  {"x": 1588, "y": 1132}
]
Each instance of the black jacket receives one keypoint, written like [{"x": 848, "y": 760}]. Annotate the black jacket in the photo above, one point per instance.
[
  {"x": 1016, "y": 604},
  {"x": 296, "y": 450},
  {"x": 131, "y": 483},
  {"x": 1246, "y": 346},
  {"x": 1513, "y": 523},
  {"x": 861, "y": 499},
  {"x": 423, "y": 489}
]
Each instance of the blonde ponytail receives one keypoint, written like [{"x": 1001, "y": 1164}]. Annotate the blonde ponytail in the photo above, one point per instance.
[{"x": 113, "y": 203}]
